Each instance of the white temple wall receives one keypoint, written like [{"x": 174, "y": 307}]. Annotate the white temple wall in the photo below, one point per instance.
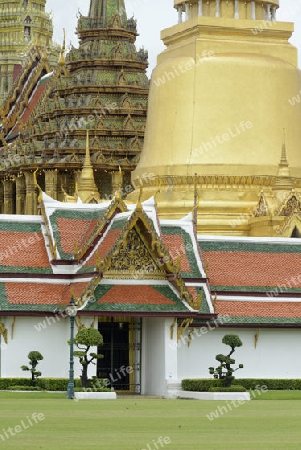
[
  {"x": 159, "y": 361},
  {"x": 275, "y": 356},
  {"x": 49, "y": 337}
]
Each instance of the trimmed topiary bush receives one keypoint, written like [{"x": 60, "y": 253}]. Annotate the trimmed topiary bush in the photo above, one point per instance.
[
  {"x": 86, "y": 338},
  {"x": 34, "y": 358},
  {"x": 224, "y": 371}
]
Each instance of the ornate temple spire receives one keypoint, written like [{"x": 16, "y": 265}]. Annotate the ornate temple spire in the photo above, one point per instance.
[
  {"x": 284, "y": 181},
  {"x": 87, "y": 189},
  {"x": 104, "y": 12},
  {"x": 283, "y": 170},
  {"x": 102, "y": 85}
]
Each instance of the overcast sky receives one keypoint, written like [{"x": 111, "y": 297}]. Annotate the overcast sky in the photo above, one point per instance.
[{"x": 152, "y": 16}]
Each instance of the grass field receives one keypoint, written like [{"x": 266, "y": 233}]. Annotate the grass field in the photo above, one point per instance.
[{"x": 270, "y": 422}]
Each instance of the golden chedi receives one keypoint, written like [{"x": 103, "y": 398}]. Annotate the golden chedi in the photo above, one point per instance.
[{"x": 220, "y": 97}]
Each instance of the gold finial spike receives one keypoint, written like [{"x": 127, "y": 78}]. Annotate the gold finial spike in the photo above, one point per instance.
[
  {"x": 35, "y": 178},
  {"x": 62, "y": 54},
  {"x": 157, "y": 192},
  {"x": 139, "y": 205},
  {"x": 88, "y": 157},
  {"x": 72, "y": 295},
  {"x": 178, "y": 263},
  {"x": 200, "y": 300},
  {"x": 75, "y": 248},
  {"x": 39, "y": 42},
  {"x": 283, "y": 160},
  {"x": 214, "y": 302},
  {"x": 195, "y": 201},
  {"x": 283, "y": 166},
  {"x": 117, "y": 181},
  {"x": 256, "y": 337},
  {"x": 87, "y": 189},
  {"x": 40, "y": 196}
]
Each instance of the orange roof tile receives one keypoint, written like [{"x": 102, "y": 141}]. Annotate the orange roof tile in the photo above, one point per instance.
[
  {"x": 20, "y": 249},
  {"x": 139, "y": 295},
  {"x": 104, "y": 247},
  {"x": 42, "y": 293},
  {"x": 253, "y": 268},
  {"x": 258, "y": 309},
  {"x": 74, "y": 230},
  {"x": 176, "y": 247},
  {"x": 33, "y": 102}
]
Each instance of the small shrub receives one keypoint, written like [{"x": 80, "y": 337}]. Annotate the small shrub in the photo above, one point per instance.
[
  {"x": 233, "y": 388},
  {"x": 200, "y": 385},
  {"x": 47, "y": 384},
  {"x": 55, "y": 384},
  {"x": 272, "y": 384},
  {"x": 24, "y": 388}
]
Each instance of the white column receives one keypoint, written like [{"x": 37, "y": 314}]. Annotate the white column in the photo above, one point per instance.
[
  {"x": 253, "y": 10},
  {"x": 200, "y": 13},
  {"x": 187, "y": 11},
  {"x": 180, "y": 13},
  {"x": 236, "y": 11},
  {"x": 218, "y": 8},
  {"x": 274, "y": 9},
  {"x": 268, "y": 17}
]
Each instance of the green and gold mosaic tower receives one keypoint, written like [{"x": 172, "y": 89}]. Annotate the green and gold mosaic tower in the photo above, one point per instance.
[
  {"x": 101, "y": 86},
  {"x": 23, "y": 23}
]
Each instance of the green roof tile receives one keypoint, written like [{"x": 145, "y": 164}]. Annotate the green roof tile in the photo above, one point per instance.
[
  {"x": 22, "y": 227},
  {"x": 263, "y": 320},
  {"x": 256, "y": 247}
]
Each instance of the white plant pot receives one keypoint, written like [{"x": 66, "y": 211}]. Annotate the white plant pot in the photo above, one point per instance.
[
  {"x": 95, "y": 396},
  {"x": 214, "y": 395}
]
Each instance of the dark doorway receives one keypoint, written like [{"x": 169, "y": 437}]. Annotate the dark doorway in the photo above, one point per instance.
[{"x": 115, "y": 365}]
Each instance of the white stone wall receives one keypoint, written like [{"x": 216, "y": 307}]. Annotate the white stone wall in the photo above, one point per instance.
[
  {"x": 159, "y": 360},
  {"x": 49, "y": 337},
  {"x": 164, "y": 361},
  {"x": 276, "y": 354}
]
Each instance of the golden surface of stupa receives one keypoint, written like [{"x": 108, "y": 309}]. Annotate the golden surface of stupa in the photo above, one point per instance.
[{"x": 223, "y": 131}]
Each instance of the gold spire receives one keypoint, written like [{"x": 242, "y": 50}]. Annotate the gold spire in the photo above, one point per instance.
[
  {"x": 139, "y": 205},
  {"x": 283, "y": 170},
  {"x": 283, "y": 181},
  {"x": 195, "y": 201},
  {"x": 40, "y": 196},
  {"x": 87, "y": 189},
  {"x": 62, "y": 54}
]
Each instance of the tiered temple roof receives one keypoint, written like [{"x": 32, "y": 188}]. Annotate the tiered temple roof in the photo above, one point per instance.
[
  {"x": 122, "y": 266},
  {"x": 102, "y": 86}
]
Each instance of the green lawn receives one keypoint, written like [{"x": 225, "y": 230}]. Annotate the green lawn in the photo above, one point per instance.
[{"x": 137, "y": 423}]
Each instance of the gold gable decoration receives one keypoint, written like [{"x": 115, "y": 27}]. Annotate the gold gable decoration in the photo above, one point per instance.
[
  {"x": 292, "y": 206},
  {"x": 139, "y": 254},
  {"x": 262, "y": 208},
  {"x": 131, "y": 258}
]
